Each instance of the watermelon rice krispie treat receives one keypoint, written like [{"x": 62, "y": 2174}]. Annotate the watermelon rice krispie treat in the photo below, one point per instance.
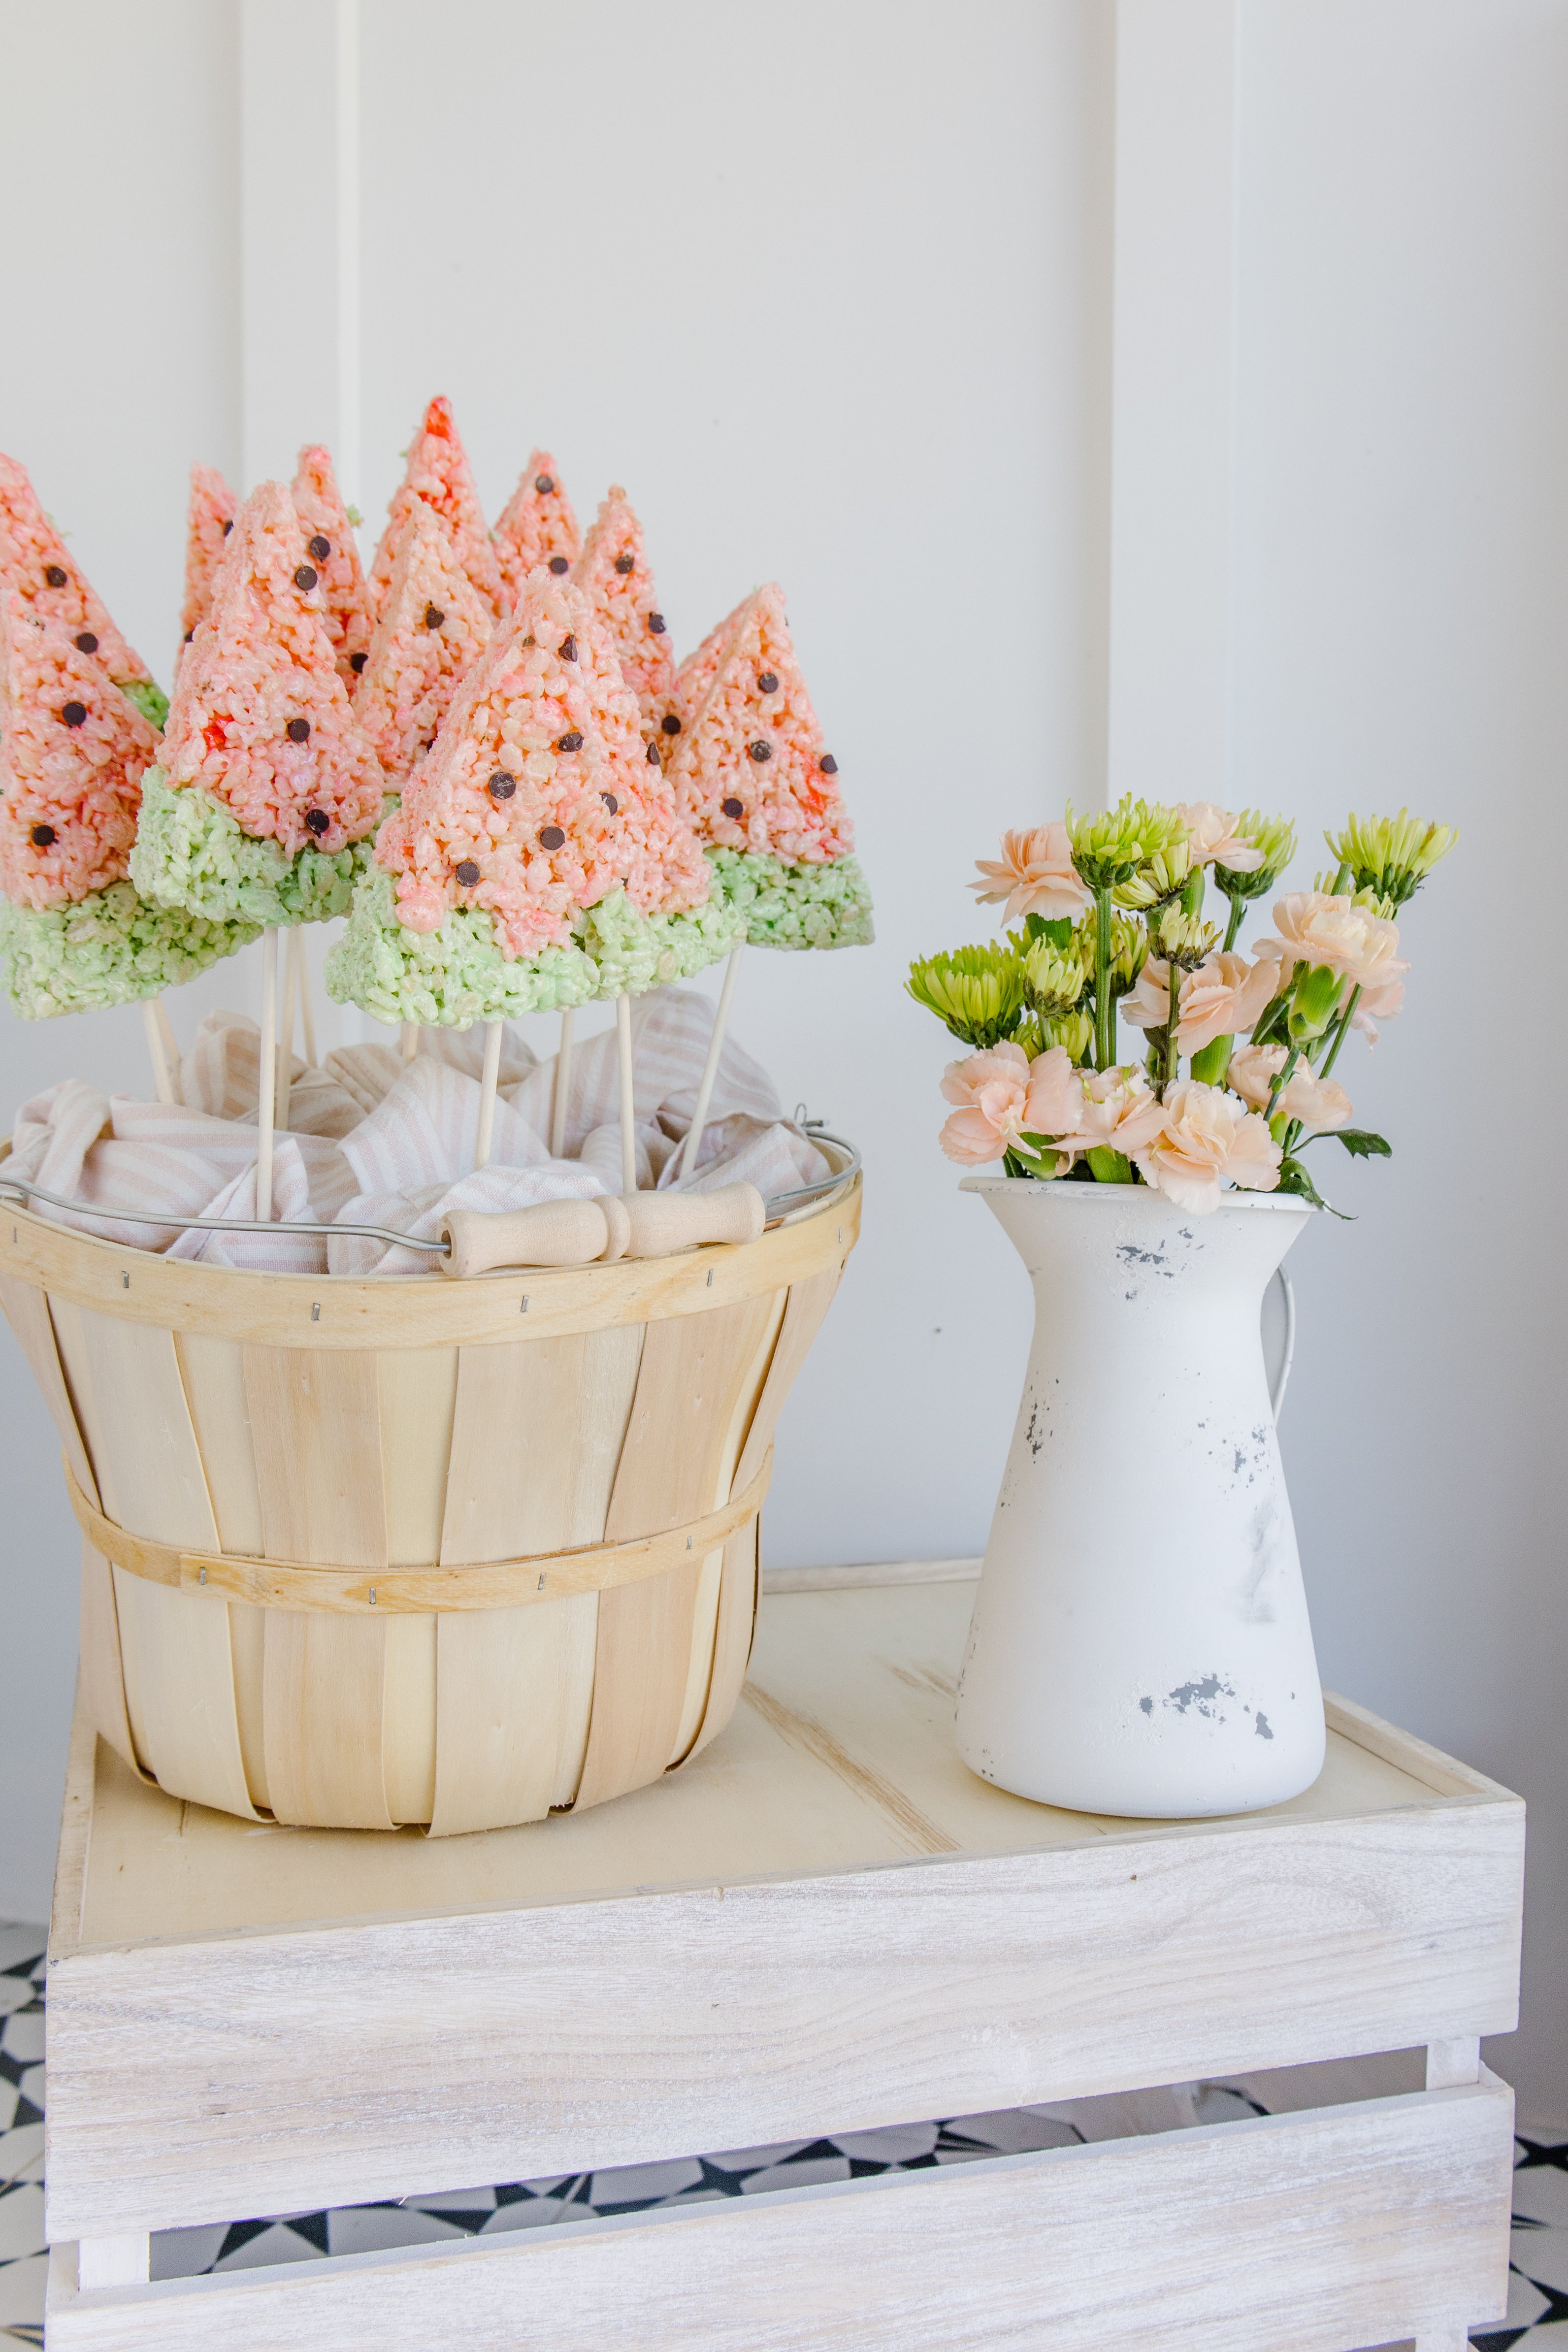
[
  {"x": 34, "y": 559},
  {"x": 536, "y": 526},
  {"x": 433, "y": 629},
  {"x": 613, "y": 575},
  {"x": 267, "y": 790},
  {"x": 332, "y": 552},
  {"x": 209, "y": 520},
  {"x": 497, "y": 887},
  {"x": 752, "y": 778},
  {"x": 437, "y": 476},
  {"x": 74, "y": 934}
]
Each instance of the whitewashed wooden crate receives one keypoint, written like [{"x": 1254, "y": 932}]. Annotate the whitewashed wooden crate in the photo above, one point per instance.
[{"x": 824, "y": 1924}]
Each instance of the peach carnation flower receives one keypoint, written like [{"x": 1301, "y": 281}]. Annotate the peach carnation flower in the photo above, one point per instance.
[
  {"x": 1034, "y": 876},
  {"x": 1320, "y": 1102},
  {"x": 1121, "y": 1112},
  {"x": 1375, "y": 1005},
  {"x": 1317, "y": 928},
  {"x": 1214, "y": 841},
  {"x": 1002, "y": 1095},
  {"x": 1207, "y": 1136},
  {"x": 1224, "y": 996}
]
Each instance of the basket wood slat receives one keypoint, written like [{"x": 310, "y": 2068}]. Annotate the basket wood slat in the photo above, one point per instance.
[{"x": 229, "y": 1419}]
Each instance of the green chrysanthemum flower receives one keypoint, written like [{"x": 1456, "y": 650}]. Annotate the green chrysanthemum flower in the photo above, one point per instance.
[
  {"x": 978, "y": 993},
  {"x": 1391, "y": 855}
]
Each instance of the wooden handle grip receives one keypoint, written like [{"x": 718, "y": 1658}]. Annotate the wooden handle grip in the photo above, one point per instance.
[
  {"x": 662, "y": 1222},
  {"x": 575, "y": 1232}
]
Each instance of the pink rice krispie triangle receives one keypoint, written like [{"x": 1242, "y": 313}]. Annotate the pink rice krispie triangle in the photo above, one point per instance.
[
  {"x": 73, "y": 750},
  {"x": 332, "y": 552},
  {"x": 536, "y": 526},
  {"x": 34, "y": 561},
  {"x": 658, "y": 856},
  {"x": 529, "y": 805},
  {"x": 613, "y": 573},
  {"x": 209, "y": 521},
  {"x": 261, "y": 717},
  {"x": 750, "y": 772},
  {"x": 699, "y": 670},
  {"x": 437, "y": 476},
  {"x": 433, "y": 629}
]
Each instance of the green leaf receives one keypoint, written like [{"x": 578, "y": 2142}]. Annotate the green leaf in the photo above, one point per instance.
[
  {"x": 1361, "y": 1142},
  {"x": 1293, "y": 1178},
  {"x": 1056, "y": 934},
  {"x": 1271, "y": 1027}
]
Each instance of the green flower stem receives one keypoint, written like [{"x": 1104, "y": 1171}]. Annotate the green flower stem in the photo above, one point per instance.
[
  {"x": 1283, "y": 1080},
  {"x": 1172, "y": 1022},
  {"x": 1104, "y": 1005},
  {"x": 1345, "y": 1019},
  {"x": 1237, "y": 909}
]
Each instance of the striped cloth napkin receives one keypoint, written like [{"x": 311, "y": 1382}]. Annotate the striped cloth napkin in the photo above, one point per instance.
[{"x": 372, "y": 1139}]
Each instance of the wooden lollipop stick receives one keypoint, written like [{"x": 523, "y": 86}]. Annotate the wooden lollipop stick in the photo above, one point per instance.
[
  {"x": 710, "y": 1067},
  {"x": 493, "y": 1029},
  {"x": 408, "y": 1040},
  {"x": 628, "y": 1128},
  {"x": 162, "y": 1084},
  {"x": 267, "y": 1087},
  {"x": 172, "y": 1054},
  {"x": 562, "y": 1092},
  {"x": 307, "y": 1004},
  {"x": 285, "y": 1062}
]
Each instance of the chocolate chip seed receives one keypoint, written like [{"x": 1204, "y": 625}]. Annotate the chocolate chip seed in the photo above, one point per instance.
[
  {"x": 298, "y": 730},
  {"x": 73, "y": 713},
  {"x": 568, "y": 648},
  {"x": 54, "y": 575},
  {"x": 558, "y": 564},
  {"x": 768, "y": 682},
  {"x": 626, "y": 562},
  {"x": 759, "y": 751},
  {"x": 228, "y": 527},
  {"x": 670, "y": 723},
  {"x": 468, "y": 874},
  {"x": 573, "y": 742},
  {"x": 501, "y": 785},
  {"x": 321, "y": 548},
  {"x": 305, "y": 578},
  {"x": 830, "y": 764},
  {"x": 653, "y": 758},
  {"x": 357, "y": 662},
  {"x": 656, "y": 624},
  {"x": 43, "y": 835},
  {"x": 318, "y": 821},
  {"x": 434, "y": 616},
  {"x": 544, "y": 484},
  {"x": 190, "y": 634},
  {"x": 87, "y": 642},
  {"x": 552, "y": 837},
  {"x": 611, "y": 802},
  {"x": 732, "y": 808}
]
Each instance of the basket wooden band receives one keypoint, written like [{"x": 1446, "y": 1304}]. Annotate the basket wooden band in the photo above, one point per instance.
[{"x": 419, "y": 1591}]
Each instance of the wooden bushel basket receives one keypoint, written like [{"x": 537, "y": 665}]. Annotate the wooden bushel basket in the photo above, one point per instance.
[{"x": 405, "y": 1550}]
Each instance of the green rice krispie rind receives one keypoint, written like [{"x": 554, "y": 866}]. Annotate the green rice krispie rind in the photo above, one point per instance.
[
  {"x": 111, "y": 947},
  {"x": 446, "y": 978},
  {"x": 635, "y": 953},
  {"x": 190, "y": 853},
  {"x": 795, "y": 906},
  {"x": 150, "y": 699}
]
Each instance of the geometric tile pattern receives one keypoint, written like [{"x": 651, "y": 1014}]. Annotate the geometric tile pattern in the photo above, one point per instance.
[{"x": 1538, "y": 2283}]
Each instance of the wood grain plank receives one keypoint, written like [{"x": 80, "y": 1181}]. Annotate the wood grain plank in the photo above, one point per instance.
[
  {"x": 125, "y": 1380},
  {"x": 213, "y": 1373},
  {"x": 511, "y": 1712},
  {"x": 323, "y": 1693},
  {"x": 1297, "y": 2233},
  {"x": 408, "y": 1719},
  {"x": 696, "y": 1388},
  {"x": 248, "y": 1647},
  {"x": 27, "y": 1312},
  {"x": 732, "y": 1635},
  {"x": 315, "y": 1423},
  {"x": 179, "y": 1692},
  {"x": 417, "y": 1389},
  {"x": 101, "y": 1680},
  {"x": 535, "y": 1443},
  {"x": 804, "y": 1313}
]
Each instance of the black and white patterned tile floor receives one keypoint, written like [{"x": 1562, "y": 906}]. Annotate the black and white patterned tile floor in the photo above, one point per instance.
[{"x": 1538, "y": 2282}]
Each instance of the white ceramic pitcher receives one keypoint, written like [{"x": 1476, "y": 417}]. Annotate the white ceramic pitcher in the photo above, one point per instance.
[{"x": 1139, "y": 1644}]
